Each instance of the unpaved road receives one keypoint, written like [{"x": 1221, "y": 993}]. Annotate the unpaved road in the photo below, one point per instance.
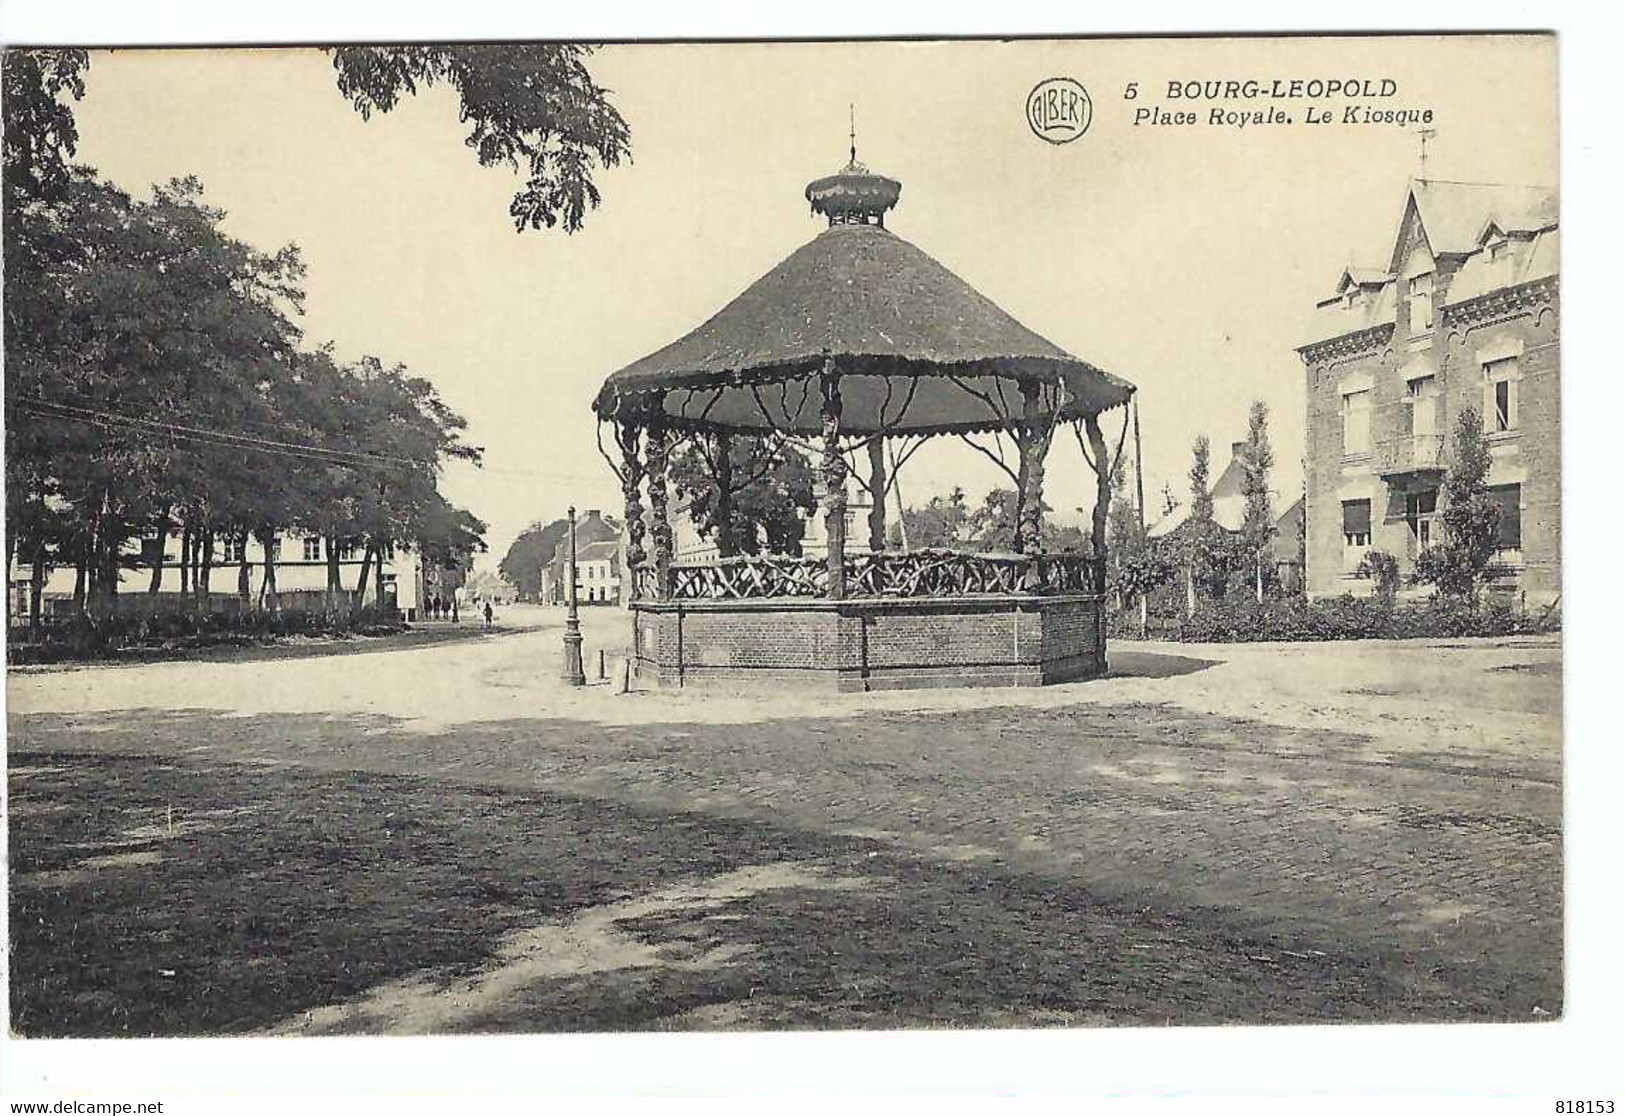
[{"x": 448, "y": 838}]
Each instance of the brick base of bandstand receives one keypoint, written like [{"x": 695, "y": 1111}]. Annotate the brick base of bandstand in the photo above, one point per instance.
[{"x": 868, "y": 644}]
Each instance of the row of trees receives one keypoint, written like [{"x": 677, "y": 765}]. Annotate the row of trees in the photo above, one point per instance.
[
  {"x": 1209, "y": 559},
  {"x": 158, "y": 387},
  {"x": 950, "y": 521}
]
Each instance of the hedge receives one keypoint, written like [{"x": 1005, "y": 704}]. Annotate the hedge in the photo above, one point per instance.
[
  {"x": 181, "y": 630},
  {"x": 1336, "y": 618}
]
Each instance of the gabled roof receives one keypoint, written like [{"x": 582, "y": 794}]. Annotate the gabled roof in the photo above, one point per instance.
[
  {"x": 598, "y": 551},
  {"x": 1361, "y": 277},
  {"x": 1229, "y": 500},
  {"x": 1234, "y": 478},
  {"x": 1454, "y": 214},
  {"x": 1455, "y": 218},
  {"x": 593, "y": 528}
]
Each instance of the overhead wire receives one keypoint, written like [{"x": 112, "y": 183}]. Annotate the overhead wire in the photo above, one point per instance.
[{"x": 232, "y": 439}]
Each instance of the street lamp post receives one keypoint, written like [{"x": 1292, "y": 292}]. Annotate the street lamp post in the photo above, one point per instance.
[{"x": 574, "y": 675}]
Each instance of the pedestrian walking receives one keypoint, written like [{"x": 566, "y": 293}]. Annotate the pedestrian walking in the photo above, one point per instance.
[{"x": 487, "y": 614}]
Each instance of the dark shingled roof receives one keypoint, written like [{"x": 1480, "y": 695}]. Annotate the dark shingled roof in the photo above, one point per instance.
[{"x": 902, "y": 329}]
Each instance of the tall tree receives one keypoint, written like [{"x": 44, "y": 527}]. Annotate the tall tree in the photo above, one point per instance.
[
  {"x": 526, "y": 562},
  {"x": 531, "y": 106},
  {"x": 40, "y": 134},
  {"x": 1258, "y": 517},
  {"x": 1461, "y": 563},
  {"x": 1201, "y": 482},
  {"x": 1124, "y": 538},
  {"x": 405, "y": 433},
  {"x": 1199, "y": 527},
  {"x": 39, "y": 139},
  {"x": 149, "y": 320},
  {"x": 1123, "y": 519},
  {"x": 942, "y": 522},
  {"x": 771, "y": 494}
]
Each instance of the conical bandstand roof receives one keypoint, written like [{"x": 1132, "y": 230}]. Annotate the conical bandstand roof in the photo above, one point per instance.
[{"x": 918, "y": 349}]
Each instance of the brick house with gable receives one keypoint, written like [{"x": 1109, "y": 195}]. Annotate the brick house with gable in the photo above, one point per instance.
[{"x": 1465, "y": 313}]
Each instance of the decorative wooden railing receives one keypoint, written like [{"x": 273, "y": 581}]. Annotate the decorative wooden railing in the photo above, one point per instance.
[
  {"x": 917, "y": 574},
  {"x": 645, "y": 583},
  {"x": 744, "y": 578}
]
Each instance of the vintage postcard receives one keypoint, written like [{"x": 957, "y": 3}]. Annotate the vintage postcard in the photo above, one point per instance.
[{"x": 550, "y": 537}]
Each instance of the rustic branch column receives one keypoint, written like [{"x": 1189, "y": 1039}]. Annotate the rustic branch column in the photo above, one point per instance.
[
  {"x": 877, "y": 493},
  {"x": 1097, "y": 528},
  {"x": 1034, "y": 447},
  {"x": 659, "y": 447},
  {"x": 628, "y": 434},
  {"x": 834, "y": 478},
  {"x": 1103, "y": 496},
  {"x": 725, "y": 496}
]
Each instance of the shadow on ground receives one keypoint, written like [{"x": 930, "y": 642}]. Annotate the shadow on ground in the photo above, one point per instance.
[
  {"x": 253, "y": 650},
  {"x": 169, "y": 878},
  {"x": 1154, "y": 664}
]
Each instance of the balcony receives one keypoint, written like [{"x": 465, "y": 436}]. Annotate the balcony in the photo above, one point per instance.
[{"x": 1412, "y": 453}]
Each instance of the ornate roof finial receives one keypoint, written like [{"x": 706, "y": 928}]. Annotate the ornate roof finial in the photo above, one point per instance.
[{"x": 854, "y": 195}]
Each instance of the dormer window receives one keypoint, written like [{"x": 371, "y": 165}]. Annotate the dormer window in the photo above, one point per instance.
[{"x": 1496, "y": 248}]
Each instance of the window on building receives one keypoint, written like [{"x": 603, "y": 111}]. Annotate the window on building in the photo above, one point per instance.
[
  {"x": 1497, "y": 247},
  {"x": 1356, "y": 531},
  {"x": 1423, "y": 396},
  {"x": 1419, "y": 511},
  {"x": 345, "y": 550},
  {"x": 1501, "y": 395},
  {"x": 313, "y": 548},
  {"x": 1419, "y": 293},
  {"x": 231, "y": 549},
  {"x": 1357, "y": 422},
  {"x": 1509, "y": 533}
]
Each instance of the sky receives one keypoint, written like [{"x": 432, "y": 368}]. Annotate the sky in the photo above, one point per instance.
[{"x": 1184, "y": 258}]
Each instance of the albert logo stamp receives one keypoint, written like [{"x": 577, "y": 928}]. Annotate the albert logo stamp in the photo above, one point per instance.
[{"x": 1059, "y": 110}]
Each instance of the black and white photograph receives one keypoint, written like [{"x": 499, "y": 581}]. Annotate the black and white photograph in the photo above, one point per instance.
[{"x": 539, "y": 537}]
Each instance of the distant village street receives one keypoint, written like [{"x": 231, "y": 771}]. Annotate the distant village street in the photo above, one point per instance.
[{"x": 449, "y": 839}]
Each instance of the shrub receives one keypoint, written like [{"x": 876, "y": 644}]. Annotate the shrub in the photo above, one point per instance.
[
  {"x": 94, "y": 637},
  {"x": 1336, "y": 618},
  {"x": 1382, "y": 568}
]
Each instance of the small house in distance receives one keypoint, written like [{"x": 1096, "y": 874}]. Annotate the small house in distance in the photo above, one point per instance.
[
  {"x": 1230, "y": 511},
  {"x": 592, "y": 528},
  {"x": 598, "y": 573}
]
